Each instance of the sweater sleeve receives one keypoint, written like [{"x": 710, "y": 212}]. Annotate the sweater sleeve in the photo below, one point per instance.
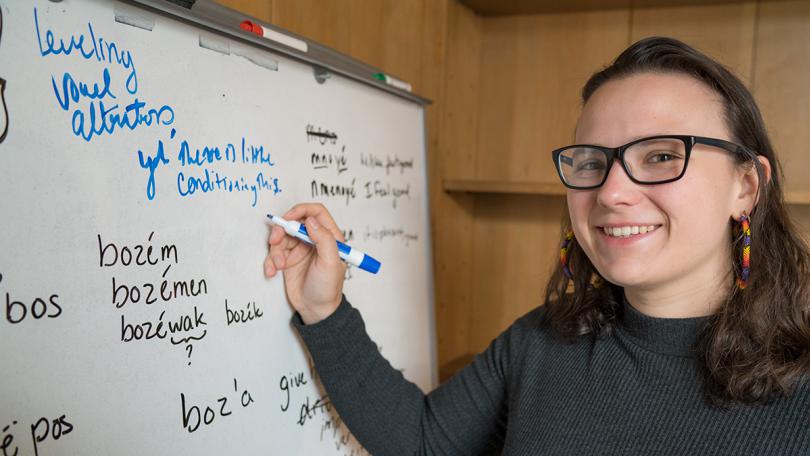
[{"x": 390, "y": 415}]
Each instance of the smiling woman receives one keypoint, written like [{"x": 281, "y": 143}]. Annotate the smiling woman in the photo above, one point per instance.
[
  {"x": 677, "y": 324},
  {"x": 757, "y": 344}
]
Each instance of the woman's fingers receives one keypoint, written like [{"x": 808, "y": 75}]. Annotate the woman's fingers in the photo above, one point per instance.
[
  {"x": 269, "y": 267},
  {"x": 317, "y": 211},
  {"x": 322, "y": 230},
  {"x": 277, "y": 235},
  {"x": 281, "y": 245},
  {"x": 324, "y": 241}
]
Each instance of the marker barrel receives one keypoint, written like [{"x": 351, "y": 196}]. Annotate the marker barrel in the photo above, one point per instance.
[{"x": 346, "y": 253}]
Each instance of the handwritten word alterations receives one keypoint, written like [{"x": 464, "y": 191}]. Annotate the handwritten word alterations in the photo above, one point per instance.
[{"x": 95, "y": 106}]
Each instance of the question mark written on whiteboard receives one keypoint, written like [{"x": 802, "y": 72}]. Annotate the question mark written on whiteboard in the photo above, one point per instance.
[{"x": 189, "y": 348}]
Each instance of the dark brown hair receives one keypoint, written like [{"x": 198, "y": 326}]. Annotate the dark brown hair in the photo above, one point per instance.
[{"x": 756, "y": 348}]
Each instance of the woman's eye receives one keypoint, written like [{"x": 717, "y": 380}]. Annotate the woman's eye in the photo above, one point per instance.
[
  {"x": 590, "y": 165},
  {"x": 660, "y": 157}
]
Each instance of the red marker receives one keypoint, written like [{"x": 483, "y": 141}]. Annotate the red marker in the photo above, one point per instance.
[
  {"x": 273, "y": 35},
  {"x": 253, "y": 28}
]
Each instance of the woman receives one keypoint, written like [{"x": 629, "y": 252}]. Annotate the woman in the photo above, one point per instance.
[{"x": 678, "y": 322}]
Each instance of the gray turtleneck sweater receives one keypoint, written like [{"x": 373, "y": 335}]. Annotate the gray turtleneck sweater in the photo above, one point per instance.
[{"x": 635, "y": 391}]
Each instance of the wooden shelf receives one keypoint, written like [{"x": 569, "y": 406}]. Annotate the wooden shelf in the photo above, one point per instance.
[
  {"x": 491, "y": 186},
  {"x": 794, "y": 197},
  {"x": 519, "y": 7},
  {"x": 797, "y": 197}
]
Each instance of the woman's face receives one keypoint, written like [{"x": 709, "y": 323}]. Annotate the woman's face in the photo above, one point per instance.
[{"x": 688, "y": 245}]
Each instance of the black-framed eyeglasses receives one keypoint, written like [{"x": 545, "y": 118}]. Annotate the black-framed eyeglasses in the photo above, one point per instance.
[{"x": 651, "y": 160}]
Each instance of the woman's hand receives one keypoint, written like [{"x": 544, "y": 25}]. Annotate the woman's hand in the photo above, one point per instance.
[{"x": 313, "y": 276}]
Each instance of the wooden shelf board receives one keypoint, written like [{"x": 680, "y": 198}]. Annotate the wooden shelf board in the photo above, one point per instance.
[
  {"x": 524, "y": 7},
  {"x": 796, "y": 197},
  {"x": 493, "y": 186}
]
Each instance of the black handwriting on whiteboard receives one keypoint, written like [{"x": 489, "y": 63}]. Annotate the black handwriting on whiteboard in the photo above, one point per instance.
[{"x": 4, "y": 111}]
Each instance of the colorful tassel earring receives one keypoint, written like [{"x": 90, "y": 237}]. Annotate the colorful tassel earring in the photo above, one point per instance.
[
  {"x": 742, "y": 281},
  {"x": 566, "y": 244}
]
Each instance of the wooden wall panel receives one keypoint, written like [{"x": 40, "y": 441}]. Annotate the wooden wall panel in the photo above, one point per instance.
[
  {"x": 781, "y": 75},
  {"x": 515, "y": 247},
  {"x": 533, "y": 68},
  {"x": 260, "y": 9},
  {"x": 725, "y": 32},
  {"x": 388, "y": 34},
  {"x": 452, "y": 213},
  {"x": 325, "y": 22},
  {"x": 782, "y": 85}
]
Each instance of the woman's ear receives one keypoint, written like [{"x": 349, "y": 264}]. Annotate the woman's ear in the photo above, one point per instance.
[{"x": 750, "y": 185}]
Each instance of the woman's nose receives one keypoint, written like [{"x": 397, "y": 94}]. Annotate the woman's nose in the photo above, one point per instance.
[{"x": 618, "y": 188}]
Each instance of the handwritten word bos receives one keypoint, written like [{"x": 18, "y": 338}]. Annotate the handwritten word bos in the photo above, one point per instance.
[
  {"x": 249, "y": 313},
  {"x": 37, "y": 308},
  {"x": 111, "y": 254},
  {"x": 195, "y": 416}
]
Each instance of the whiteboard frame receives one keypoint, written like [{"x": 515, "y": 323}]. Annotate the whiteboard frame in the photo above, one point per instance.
[{"x": 214, "y": 17}]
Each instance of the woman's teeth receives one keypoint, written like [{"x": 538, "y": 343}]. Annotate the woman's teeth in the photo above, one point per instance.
[{"x": 625, "y": 231}]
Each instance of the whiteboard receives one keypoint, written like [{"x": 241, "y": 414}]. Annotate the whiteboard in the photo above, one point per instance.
[{"x": 135, "y": 175}]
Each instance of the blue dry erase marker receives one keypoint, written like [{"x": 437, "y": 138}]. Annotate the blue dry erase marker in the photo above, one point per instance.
[{"x": 347, "y": 254}]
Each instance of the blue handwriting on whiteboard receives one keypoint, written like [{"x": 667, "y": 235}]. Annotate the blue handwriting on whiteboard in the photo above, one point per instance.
[
  {"x": 91, "y": 116},
  {"x": 203, "y": 170},
  {"x": 151, "y": 164},
  {"x": 72, "y": 90},
  {"x": 250, "y": 154},
  {"x": 99, "y": 118},
  {"x": 214, "y": 181},
  {"x": 100, "y": 49}
]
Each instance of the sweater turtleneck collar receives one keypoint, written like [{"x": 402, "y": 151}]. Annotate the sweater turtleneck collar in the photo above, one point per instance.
[{"x": 666, "y": 336}]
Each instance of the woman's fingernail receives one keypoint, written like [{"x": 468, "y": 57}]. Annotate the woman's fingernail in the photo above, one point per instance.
[{"x": 314, "y": 223}]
